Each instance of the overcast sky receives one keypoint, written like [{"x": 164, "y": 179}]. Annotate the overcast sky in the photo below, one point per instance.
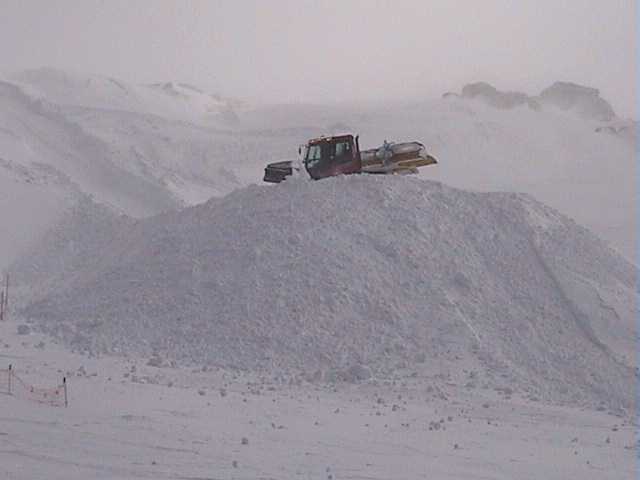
[{"x": 318, "y": 51}]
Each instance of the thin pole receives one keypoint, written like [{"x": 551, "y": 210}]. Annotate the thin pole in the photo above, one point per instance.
[
  {"x": 6, "y": 294},
  {"x": 10, "y": 371},
  {"x": 64, "y": 384},
  {"x": 2, "y": 305}
]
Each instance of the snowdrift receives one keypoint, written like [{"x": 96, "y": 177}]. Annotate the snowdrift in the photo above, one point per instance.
[{"x": 358, "y": 273}]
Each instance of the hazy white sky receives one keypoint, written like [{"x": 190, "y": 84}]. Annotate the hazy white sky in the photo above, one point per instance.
[{"x": 332, "y": 50}]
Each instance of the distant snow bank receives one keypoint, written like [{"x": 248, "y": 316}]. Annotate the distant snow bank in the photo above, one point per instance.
[{"x": 359, "y": 273}]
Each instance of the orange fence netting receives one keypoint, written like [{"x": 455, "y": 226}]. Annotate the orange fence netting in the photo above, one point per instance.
[{"x": 12, "y": 384}]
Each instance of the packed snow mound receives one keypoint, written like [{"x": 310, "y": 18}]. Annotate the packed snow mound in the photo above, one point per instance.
[
  {"x": 349, "y": 273},
  {"x": 31, "y": 202}
]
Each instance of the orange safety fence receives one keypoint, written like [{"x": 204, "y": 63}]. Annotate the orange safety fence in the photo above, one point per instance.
[
  {"x": 5, "y": 386},
  {"x": 13, "y": 385}
]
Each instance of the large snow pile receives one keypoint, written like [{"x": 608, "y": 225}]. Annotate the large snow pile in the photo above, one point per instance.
[{"x": 359, "y": 272}]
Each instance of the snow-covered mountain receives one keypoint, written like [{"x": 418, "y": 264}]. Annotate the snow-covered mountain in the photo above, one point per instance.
[{"x": 168, "y": 99}]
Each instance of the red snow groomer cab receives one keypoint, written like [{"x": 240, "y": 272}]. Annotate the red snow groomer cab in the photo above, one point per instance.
[{"x": 340, "y": 154}]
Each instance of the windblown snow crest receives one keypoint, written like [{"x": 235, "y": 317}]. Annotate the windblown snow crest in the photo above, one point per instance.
[{"x": 365, "y": 272}]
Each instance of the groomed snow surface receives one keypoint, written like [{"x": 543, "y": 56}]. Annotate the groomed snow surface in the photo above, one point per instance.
[{"x": 127, "y": 420}]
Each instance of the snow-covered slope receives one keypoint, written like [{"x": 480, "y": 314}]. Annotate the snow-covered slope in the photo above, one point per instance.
[
  {"x": 191, "y": 162},
  {"x": 143, "y": 149},
  {"x": 35, "y": 132},
  {"x": 64, "y": 137},
  {"x": 47, "y": 163},
  {"x": 31, "y": 202},
  {"x": 139, "y": 148},
  {"x": 169, "y": 99},
  {"x": 151, "y": 134},
  {"x": 349, "y": 273}
]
